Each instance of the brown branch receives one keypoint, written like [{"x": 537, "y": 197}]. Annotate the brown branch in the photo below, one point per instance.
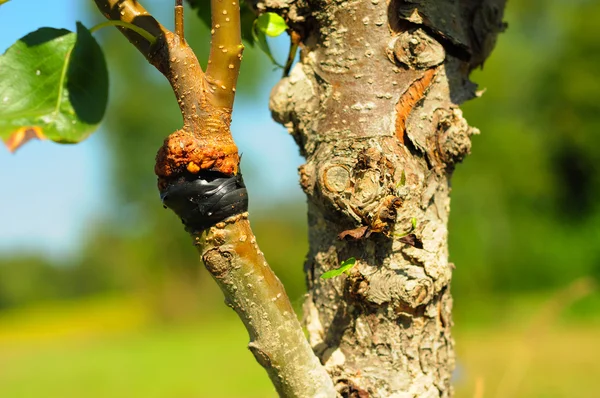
[
  {"x": 170, "y": 55},
  {"x": 229, "y": 250},
  {"x": 225, "y": 52},
  {"x": 205, "y": 141},
  {"x": 179, "y": 29},
  {"x": 230, "y": 253},
  {"x": 132, "y": 12}
]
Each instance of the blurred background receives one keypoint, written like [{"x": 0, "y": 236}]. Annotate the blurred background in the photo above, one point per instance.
[{"x": 101, "y": 292}]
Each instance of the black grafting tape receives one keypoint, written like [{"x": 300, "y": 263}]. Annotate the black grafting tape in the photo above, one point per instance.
[{"x": 204, "y": 199}]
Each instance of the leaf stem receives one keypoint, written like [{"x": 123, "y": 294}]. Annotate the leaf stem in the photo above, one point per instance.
[
  {"x": 137, "y": 29},
  {"x": 294, "y": 42}
]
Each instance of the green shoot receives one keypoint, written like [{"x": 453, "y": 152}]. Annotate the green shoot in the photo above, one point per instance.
[{"x": 344, "y": 267}]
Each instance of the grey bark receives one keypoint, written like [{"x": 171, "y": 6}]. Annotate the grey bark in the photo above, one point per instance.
[{"x": 373, "y": 106}]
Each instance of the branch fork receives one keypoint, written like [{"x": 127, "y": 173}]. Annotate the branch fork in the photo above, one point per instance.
[{"x": 204, "y": 144}]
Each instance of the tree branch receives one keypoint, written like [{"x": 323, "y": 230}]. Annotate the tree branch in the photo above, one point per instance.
[
  {"x": 132, "y": 12},
  {"x": 170, "y": 55},
  {"x": 179, "y": 28},
  {"x": 225, "y": 52},
  {"x": 204, "y": 143},
  {"x": 230, "y": 253}
]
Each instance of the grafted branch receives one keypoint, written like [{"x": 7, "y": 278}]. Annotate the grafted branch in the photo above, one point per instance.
[{"x": 188, "y": 162}]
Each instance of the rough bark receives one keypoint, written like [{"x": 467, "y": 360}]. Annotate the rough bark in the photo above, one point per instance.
[{"x": 373, "y": 105}]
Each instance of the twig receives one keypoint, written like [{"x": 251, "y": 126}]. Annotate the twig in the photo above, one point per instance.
[
  {"x": 294, "y": 43},
  {"x": 169, "y": 55},
  {"x": 179, "y": 30},
  {"x": 225, "y": 52}
]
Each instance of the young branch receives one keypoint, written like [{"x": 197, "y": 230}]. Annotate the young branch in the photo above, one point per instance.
[
  {"x": 184, "y": 165},
  {"x": 230, "y": 253},
  {"x": 170, "y": 55},
  {"x": 205, "y": 141},
  {"x": 225, "y": 52},
  {"x": 133, "y": 13},
  {"x": 179, "y": 28}
]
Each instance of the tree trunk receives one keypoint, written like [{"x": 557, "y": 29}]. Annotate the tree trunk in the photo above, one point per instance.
[{"x": 373, "y": 105}]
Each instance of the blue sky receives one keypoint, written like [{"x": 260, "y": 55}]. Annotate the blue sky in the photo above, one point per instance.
[{"x": 50, "y": 192}]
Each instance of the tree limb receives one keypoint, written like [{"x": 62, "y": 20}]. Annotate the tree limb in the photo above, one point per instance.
[
  {"x": 170, "y": 55},
  {"x": 204, "y": 143},
  {"x": 231, "y": 255}
]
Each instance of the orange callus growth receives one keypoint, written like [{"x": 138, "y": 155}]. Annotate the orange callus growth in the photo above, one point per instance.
[
  {"x": 193, "y": 168},
  {"x": 183, "y": 151},
  {"x": 409, "y": 99},
  {"x": 22, "y": 136}
]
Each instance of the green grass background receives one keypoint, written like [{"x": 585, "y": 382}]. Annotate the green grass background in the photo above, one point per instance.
[{"x": 112, "y": 347}]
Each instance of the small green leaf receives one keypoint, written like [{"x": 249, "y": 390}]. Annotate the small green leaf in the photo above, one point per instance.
[
  {"x": 413, "y": 222},
  {"x": 2, "y": 2},
  {"x": 268, "y": 24},
  {"x": 271, "y": 24},
  {"x": 261, "y": 39},
  {"x": 344, "y": 267},
  {"x": 402, "y": 181},
  {"x": 53, "y": 84}
]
